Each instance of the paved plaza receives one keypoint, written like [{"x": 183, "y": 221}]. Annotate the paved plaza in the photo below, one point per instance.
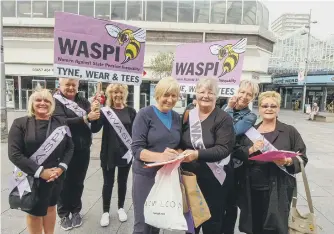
[{"x": 320, "y": 169}]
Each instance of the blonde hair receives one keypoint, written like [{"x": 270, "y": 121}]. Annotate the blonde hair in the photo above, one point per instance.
[
  {"x": 40, "y": 94},
  {"x": 208, "y": 83},
  {"x": 254, "y": 86},
  {"x": 270, "y": 94},
  {"x": 166, "y": 85},
  {"x": 113, "y": 87}
]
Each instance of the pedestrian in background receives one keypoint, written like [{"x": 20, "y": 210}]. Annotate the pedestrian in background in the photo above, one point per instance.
[
  {"x": 243, "y": 120},
  {"x": 267, "y": 187},
  {"x": 156, "y": 134},
  {"x": 77, "y": 112},
  {"x": 26, "y": 137},
  {"x": 208, "y": 137},
  {"x": 116, "y": 117}
]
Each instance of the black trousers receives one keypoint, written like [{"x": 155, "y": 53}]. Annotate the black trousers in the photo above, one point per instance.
[
  {"x": 230, "y": 214},
  {"x": 70, "y": 196},
  {"x": 260, "y": 204},
  {"x": 215, "y": 195},
  {"x": 108, "y": 184}
]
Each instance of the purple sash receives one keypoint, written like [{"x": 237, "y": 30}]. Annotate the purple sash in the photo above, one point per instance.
[{"x": 196, "y": 137}]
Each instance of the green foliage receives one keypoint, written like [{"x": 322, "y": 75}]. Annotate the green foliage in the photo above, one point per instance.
[{"x": 162, "y": 64}]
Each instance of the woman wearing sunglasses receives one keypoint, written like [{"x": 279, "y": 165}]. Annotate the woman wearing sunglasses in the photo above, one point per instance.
[{"x": 267, "y": 188}]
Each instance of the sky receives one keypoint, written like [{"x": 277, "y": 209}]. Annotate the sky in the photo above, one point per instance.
[{"x": 322, "y": 11}]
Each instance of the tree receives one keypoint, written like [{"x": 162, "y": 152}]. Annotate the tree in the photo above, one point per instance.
[{"x": 162, "y": 64}]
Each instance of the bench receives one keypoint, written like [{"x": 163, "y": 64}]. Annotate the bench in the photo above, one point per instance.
[{"x": 324, "y": 117}]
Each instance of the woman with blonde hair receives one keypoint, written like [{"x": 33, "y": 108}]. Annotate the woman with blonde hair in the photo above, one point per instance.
[
  {"x": 266, "y": 189},
  {"x": 156, "y": 135},
  {"x": 116, "y": 118},
  {"x": 40, "y": 147}
]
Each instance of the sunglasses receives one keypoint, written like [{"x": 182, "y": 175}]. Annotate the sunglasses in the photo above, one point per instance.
[{"x": 266, "y": 106}]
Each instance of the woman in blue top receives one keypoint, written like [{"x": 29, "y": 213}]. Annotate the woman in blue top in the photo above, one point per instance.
[{"x": 155, "y": 136}]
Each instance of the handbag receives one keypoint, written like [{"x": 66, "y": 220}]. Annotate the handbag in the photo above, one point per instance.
[
  {"x": 298, "y": 223},
  {"x": 198, "y": 206},
  {"x": 28, "y": 200}
]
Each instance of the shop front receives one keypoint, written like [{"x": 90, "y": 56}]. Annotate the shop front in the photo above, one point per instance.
[{"x": 319, "y": 89}]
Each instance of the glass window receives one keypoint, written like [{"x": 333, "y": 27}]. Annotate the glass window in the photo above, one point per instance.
[
  {"x": 102, "y": 9},
  {"x": 9, "y": 8},
  {"x": 23, "y": 8},
  {"x": 135, "y": 10},
  {"x": 259, "y": 13},
  {"x": 54, "y": 6},
  {"x": 169, "y": 11},
  {"x": 118, "y": 10},
  {"x": 202, "y": 9},
  {"x": 153, "y": 11},
  {"x": 265, "y": 20},
  {"x": 39, "y": 9},
  {"x": 249, "y": 13},
  {"x": 234, "y": 12},
  {"x": 218, "y": 10},
  {"x": 86, "y": 8},
  {"x": 71, "y": 6},
  {"x": 186, "y": 10}
]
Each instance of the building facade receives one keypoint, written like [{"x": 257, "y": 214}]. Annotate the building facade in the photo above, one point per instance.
[
  {"x": 288, "y": 64},
  {"x": 28, "y": 37},
  {"x": 288, "y": 23}
]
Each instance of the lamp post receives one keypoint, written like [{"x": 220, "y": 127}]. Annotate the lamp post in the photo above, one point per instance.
[
  {"x": 307, "y": 57},
  {"x": 4, "y": 125}
]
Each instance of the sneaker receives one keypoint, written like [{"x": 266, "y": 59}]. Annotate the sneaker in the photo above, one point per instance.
[
  {"x": 122, "y": 215},
  {"x": 104, "y": 219},
  {"x": 76, "y": 220},
  {"x": 66, "y": 223}
]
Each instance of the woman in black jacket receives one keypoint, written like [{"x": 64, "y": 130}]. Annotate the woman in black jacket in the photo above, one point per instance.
[
  {"x": 116, "y": 120},
  {"x": 208, "y": 136},
  {"x": 29, "y": 138},
  {"x": 266, "y": 188}
]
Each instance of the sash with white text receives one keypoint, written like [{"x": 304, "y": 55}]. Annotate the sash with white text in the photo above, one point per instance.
[
  {"x": 19, "y": 178},
  {"x": 254, "y": 135},
  {"x": 121, "y": 131},
  {"x": 196, "y": 137},
  {"x": 73, "y": 106}
]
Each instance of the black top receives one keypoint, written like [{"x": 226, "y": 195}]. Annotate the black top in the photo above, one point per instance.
[
  {"x": 26, "y": 135},
  {"x": 259, "y": 171},
  {"x": 112, "y": 147},
  {"x": 81, "y": 134},
  {"x": 218, "y": 136},
  {"x": 150, "y": 133}
]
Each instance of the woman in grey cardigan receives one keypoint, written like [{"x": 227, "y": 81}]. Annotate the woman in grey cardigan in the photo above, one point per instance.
[{"x": 155, "y": 136}]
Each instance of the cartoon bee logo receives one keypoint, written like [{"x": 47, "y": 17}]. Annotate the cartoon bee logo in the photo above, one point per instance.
[
  {"x": 231, "y": 52},
  {"x": 133, "y": 38}
]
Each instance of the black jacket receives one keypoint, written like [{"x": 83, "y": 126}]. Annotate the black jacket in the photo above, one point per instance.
[
  {"x": 281, "y": 185},
  {"x": 81, "y": 134},
  {"x": 22, "y": 135},
  {"x": 112, "y": 147}
]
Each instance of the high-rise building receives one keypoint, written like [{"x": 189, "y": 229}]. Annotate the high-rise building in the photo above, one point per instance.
[{"x": 288, "y": 23}]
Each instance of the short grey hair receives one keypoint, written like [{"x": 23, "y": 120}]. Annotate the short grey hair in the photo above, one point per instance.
[
  {"x": 208, "y": 83},
  {"x": 249, "y": 83}
]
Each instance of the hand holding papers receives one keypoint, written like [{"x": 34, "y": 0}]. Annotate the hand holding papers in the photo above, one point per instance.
[
  {"x": 179, "y": 157},
  {"x": 274, "y": 155}
]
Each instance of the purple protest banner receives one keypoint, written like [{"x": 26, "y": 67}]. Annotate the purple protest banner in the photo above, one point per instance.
[
  {"x": 92, "y": 49},
  {"x": 221, "y": 59}
]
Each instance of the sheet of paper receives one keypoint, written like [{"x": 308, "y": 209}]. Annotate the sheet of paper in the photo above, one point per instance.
[
  {"x": 156, "y": 164},
  {"x": 271, "y": 156}
]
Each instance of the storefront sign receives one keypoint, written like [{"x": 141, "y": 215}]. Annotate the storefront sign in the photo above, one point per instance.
[
  {"x": 98, "y": 50},
  {"x": 285, "y": 80},
  {"x": 222, "y": 60}
]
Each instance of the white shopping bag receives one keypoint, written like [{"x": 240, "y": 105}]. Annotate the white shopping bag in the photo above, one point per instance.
[{"x": 164, "y": 205}]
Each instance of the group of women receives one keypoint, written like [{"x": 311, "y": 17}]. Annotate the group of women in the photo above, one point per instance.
[{"x": 218, "y": 154}]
